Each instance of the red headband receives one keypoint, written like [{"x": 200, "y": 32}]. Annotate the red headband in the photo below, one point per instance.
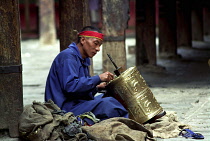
[{"x": 91, "y": 34}]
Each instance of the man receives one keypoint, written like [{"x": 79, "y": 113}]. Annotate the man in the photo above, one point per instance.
[{"x": 71, "y": 87}]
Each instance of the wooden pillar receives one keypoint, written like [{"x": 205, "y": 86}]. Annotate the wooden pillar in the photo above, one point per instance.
[
  {"x": 11, "y": 91},
  {"x": 74, "y": 15},
  {"x": 47, "y": 27},
  {"x": 167, "y": 28},
  {"x": 197, "y": 21},
  {"x": 145, "y": 32},
  {"x": 184, "y": 30},
  {"x": 207, "y": 20},
  {"x": 27, "y": 15},
  {"x": 115, "y": 18}
]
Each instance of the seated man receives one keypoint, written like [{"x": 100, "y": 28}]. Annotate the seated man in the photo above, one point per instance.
[{"x": 71, "y": 87}]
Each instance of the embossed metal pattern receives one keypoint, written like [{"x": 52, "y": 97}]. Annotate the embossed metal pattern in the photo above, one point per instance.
[{"x": 132, "y": 91}]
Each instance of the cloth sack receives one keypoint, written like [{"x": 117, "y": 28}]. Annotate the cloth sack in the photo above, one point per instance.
[
  {"x": 46, "y": 121},
  {"x": 118, "y": 129},
  {"x": 167, "y": 126},
  {"x": 40, "y": 122}
]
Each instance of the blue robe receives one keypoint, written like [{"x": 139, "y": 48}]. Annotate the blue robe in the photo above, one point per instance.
[{"x": 70, "y": 86}]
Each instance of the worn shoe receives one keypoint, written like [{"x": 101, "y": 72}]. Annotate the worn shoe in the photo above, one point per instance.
[{"x": 187, "y": 133}]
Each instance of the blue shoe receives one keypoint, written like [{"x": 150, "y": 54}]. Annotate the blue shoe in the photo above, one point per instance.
[{"x": 187, "y": 133}]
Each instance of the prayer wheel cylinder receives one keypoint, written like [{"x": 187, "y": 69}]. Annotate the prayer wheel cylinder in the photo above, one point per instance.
[{"x": 131, "y": 90}]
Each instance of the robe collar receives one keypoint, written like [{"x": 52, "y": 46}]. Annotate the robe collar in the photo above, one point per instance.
[{"x": 85, "y": 61}]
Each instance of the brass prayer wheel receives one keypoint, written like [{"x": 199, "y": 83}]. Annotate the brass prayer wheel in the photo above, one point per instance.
[{"x": 131, "y": 90}]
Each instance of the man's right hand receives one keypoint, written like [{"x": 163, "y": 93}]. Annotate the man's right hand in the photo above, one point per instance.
[{"x": 106, "y": 77}]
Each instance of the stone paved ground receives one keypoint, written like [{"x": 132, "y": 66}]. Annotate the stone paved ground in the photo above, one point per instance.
[{"x": 183, "y": 86}]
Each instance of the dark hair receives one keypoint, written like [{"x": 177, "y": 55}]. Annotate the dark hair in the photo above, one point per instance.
[{"x": 88, "y": 28}]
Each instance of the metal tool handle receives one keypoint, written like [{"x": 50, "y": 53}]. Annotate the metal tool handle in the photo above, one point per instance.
[{"x": 112, "y": 61}]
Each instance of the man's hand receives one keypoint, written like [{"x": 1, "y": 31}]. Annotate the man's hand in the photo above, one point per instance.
[
  {"x": 106, "y": 77},
  {"x": 101, "y": 85}
]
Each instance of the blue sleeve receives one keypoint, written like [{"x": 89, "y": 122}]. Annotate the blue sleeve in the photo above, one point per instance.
[{"x": 73, "y": 77}]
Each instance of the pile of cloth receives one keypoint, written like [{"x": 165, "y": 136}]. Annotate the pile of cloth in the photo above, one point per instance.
[{"x": 46, "y": 121}]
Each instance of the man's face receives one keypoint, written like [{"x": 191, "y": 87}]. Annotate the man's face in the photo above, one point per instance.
[{"x": 91, "y": 46}]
